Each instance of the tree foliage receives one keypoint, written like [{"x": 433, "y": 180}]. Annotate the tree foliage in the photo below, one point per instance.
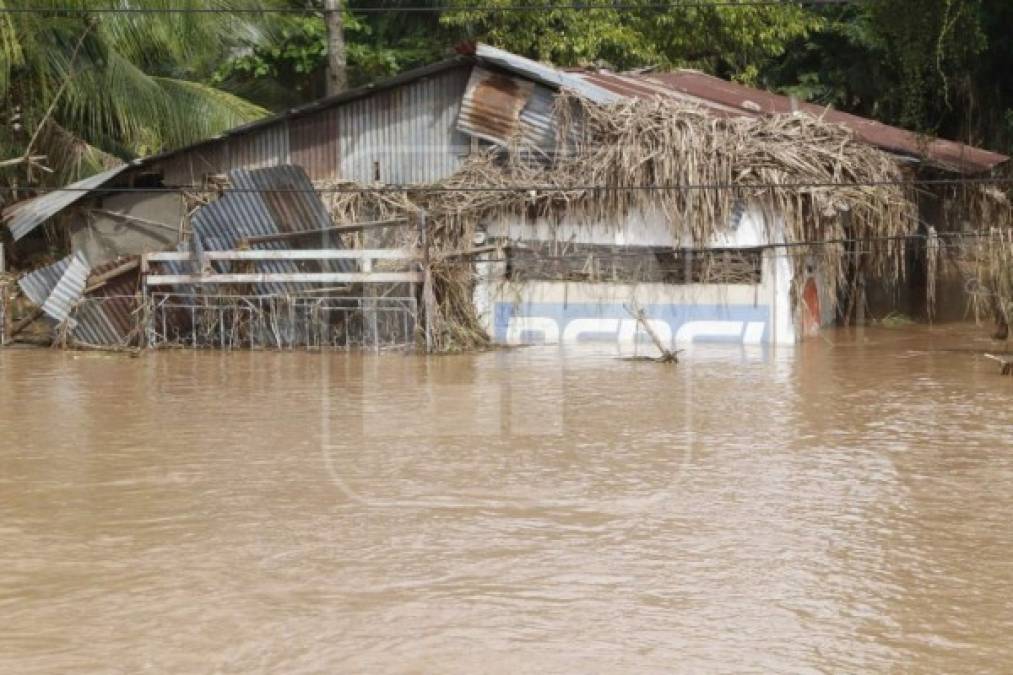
[
  {"x": 121, "y": 85},
  {"x": 725, "y": 40},
  {"x": 289, "y": 68},
  {"x": 935, "y": 66},
  {"x": 85, "y": 88}
]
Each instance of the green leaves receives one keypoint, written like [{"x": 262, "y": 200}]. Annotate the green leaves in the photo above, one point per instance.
[
  {"x": 730, "y": 41},
  {"x": 287, "y": 68},
  {"x": 134, "y": 87}
]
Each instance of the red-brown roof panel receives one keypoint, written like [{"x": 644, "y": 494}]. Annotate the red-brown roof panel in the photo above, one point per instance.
[{"x": 730, "y": 98}]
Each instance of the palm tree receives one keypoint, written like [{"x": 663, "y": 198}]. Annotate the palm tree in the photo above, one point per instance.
[{"x": 87, "y": 88}]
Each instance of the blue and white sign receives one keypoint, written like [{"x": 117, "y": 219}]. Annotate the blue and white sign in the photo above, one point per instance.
[{"x": 568, "y": 323}]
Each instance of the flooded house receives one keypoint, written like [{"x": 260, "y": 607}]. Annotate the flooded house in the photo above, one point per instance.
[{"x": 489, "y": 196}]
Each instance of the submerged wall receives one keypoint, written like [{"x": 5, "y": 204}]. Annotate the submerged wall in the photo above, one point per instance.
[{"x": 568, "y": 312}]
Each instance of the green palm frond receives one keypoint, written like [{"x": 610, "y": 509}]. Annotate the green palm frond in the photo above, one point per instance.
[
  {"x": 194, "y": 111},
  {"x": 132, "y": 87}
]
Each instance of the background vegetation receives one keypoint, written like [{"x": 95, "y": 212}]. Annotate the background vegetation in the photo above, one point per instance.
[{"x": 86, "y": 88}]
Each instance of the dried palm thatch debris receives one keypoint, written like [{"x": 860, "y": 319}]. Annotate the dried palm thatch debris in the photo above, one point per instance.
[
  {"x": 992, "y": 294},
  {"x": 985, "y": 256}
]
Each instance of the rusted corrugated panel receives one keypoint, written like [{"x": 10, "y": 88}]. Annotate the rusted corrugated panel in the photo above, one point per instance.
[
  {"x": 405, "y": 135},
  {"x": 313, "y": 144},
  {"x": 25, "y": 216},
  {"x": 265, "y": 146},
  {"x": 492, "y": 105},
  {"x": 539, "y": 72},
  {"x": 288, "y": 195},
  {"x": 108, "y": 315},
  {"x": 264, "y": 201}
]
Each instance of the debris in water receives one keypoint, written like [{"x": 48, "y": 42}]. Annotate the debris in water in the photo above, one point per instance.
[{"x": 1005, "y": 363}]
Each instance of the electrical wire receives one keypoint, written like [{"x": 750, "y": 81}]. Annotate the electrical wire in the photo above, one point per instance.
[
  {"x": 436, "y": 189},
  {"x": 419, "y": 9}
]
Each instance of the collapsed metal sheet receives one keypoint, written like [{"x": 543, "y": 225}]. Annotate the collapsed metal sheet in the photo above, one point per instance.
[
  {"x": 24, "y": 217},
  {"x": 57, "y": 287},
  {"x": 68, "y": 290},
  {"x": 38, "y": 284},
  {"x": 263, "y": 202},
  {"x": 108, "y": 315},
  {"x": 547, "y": 75},
  {"x": 538, "y": 128}
]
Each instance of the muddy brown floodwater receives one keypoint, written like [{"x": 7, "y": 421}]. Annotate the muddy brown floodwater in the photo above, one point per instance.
[{"x": 844, "y": 506}]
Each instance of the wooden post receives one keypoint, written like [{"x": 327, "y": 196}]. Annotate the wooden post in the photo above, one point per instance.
[
  {"x": 428, "y": 296},
  {"x": 337, "y": 77},
  {"x": 5, "y": 308},
  {"x": 146, "y": 308},
  {"x": 5, "y": 311}
]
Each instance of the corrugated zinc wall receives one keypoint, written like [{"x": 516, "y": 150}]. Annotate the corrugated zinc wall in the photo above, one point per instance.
[
  {"x": 263, "y": 147},
  {"x": 313, "y": 142},
  {"x": 189, "y": 168},
  {"x": 408, "y": 134}
]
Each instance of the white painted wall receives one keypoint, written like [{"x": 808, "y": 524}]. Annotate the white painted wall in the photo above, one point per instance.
[
  {"x": 560, "y": 312},
  {"x": 641, "y": 228}
]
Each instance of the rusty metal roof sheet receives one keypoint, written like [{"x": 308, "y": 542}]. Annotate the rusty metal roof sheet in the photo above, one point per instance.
[
  {"x": 107, "y": 315},
  {"x": 25, "y": 216},
  {"x": 542, "y": 73},
  {"x": 492, "y": 104},
  {"x": 730, "y": 98}
]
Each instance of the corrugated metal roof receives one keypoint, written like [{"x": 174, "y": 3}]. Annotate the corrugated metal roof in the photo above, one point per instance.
[
  {"x": 544, "y": 74},
  {"x": 25, "y": 216},
  {"x": 405, "y": 128},
  {"x": 266, "y": 201},
  {"x": 730, "y": 98},
  {"x": 431, "y": 156}
]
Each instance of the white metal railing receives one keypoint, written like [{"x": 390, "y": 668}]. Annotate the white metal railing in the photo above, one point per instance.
[
  {"x": 279, "y": 322},
  {"x": 208, "y": 276}
]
